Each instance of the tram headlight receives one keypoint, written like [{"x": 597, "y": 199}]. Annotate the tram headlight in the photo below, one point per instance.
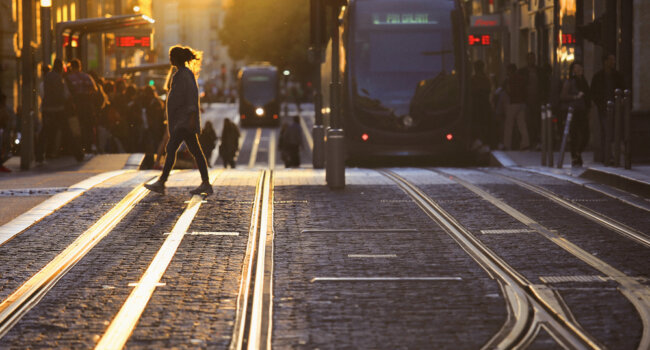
[{"x": 259, "y": 111}]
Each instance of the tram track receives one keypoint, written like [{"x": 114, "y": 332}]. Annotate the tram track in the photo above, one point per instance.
[
  {"x": 636, "y": 292},
  {"x": 530, "y": 306},
  {"x": 25, "y": 297},
  {"x": 590, "y": 214},
  {"x": 252, "y": 328}
]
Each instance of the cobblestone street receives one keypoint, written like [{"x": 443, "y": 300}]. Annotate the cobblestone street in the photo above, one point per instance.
[{"x": 401, "y": 258}]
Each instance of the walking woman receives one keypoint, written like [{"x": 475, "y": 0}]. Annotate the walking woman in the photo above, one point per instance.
[
  {"x": 575, "y": 93},
  {"x": 184, "y": 124}
]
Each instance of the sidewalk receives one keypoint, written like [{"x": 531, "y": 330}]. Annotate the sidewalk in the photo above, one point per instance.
[
  {"x": 635, "y": 180},
  {"x": 23, "y": 190}
]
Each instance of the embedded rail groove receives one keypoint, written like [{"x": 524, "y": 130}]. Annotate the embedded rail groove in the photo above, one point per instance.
[
  {"x": 590, "y": 214},
  {"x": 253, "y": 327},
  {"x": 637, "y": 293},
  {"x": 33, "y": 290},
  {"x": 521, "y": 295}
]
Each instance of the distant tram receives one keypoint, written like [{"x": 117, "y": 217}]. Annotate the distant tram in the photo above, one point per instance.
[
  {"x": 404, "y": 78},
  {"x": 259, "y": 95}
]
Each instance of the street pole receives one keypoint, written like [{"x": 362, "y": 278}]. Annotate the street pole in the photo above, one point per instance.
[
  {"x": 318, "y": 131},
  {"x": 27, "y": 130},
  {"x": 46, "y": 30},
  {"x": 335, "y": 171}
]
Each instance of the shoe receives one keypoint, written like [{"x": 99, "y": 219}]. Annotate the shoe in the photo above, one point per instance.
[
  {"x": 205, "y": 187},
  {"x": 158, "y": 187}
]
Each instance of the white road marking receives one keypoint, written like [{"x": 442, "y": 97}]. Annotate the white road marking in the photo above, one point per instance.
[
  {"x": 272, "y": 147},
  {"x": 256, "y": 145},
  {"x": 382, "y": 279},
  {"x": 487, "y": 232},
  {"x": 307, "y": 133},
  {"x": 372, "y": 255},
  {"x": 124, "y": 322},
  {"x": 218, "y": 233}
]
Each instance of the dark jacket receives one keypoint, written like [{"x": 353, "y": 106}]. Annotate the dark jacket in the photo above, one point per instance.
[
  {"x": 516, "y": 88},
  {"x": 183, "y": 102},
  {"x": 603, "y": 86},
  {"x": 53, "y": 92}
]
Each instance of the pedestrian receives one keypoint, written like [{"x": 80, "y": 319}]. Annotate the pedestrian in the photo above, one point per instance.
[
  {"x": 536, "y": 87},
  {"x": 603, "y": 85},
  {"x": 292, "y": 143},
  {"x": 516, "y": 109},
  {"x": 83, "y": 90},
  {"x": 229, "y": 143},
  {"x": 208, "y": 140},
  {"x": 481, "y": 109},
  {"x": 575, "y": 93},
  {"x": 184, "y": 120}
]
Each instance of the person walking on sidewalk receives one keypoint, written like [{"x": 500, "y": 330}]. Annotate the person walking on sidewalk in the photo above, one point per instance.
[
  {"x": 229, "y": 143},
  {"x": 603, "y": 85},
  {"x": 184, "y": 121},
  {"x": 575, "y": 93},
  {"x": 516, "y": 109}
]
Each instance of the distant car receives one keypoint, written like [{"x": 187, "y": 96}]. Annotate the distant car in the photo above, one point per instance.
[{"x": 259, "y": 95}]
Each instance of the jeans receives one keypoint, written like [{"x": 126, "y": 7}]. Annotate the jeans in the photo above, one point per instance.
[{"x": 191, "y": 139}]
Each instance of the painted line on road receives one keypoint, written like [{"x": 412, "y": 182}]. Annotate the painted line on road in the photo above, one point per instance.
[
  {"x": 378, "y": 230},
  {"x": 256, "y": 145},
  {"x": 272, "y": 149},
  {"x": 31, "y": 292},
  {"x": 372, "y": 256},
  {"x": 383, "y": 279},
  {"x": 36, "y": 214},
  {"x": 506, "y": 231},
  {"x": 220, "y": 233},
  {"x": 307, "y": 133},
  {"x": 120, "y": 329}
]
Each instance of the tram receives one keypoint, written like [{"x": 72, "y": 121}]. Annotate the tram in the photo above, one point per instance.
[
  {"x": 404, "y": 78},
  {"x": 259, "y": 95}
]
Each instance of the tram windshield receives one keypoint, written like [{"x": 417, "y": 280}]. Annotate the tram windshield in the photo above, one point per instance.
[
  {"x": 259, "y": 87},
  {"x": 398, "y": 47}
]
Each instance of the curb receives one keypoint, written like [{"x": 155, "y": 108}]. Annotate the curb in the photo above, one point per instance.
[{"x": 619, "y": 181}]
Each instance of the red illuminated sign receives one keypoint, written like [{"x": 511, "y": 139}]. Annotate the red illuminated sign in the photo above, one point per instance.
[
  {"x": 132, "y": 41},
  {"x": 479, "y": 22},
  {"x": 479, "y": 40},
  {"x": 567, "y": 39}
]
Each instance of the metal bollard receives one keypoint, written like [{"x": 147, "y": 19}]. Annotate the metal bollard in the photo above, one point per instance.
[
  {"x": 618, "y": 106},
  {"x": 607, "y": 157},
  {"x": 627, "y": 141},
  {"x": 565, "y": 136},
  {"x": 549, "y": 134},
  {"x": 543, "y": 135}
]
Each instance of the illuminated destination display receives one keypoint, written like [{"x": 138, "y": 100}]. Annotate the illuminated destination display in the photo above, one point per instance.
[
  {"x": 479, "y": 40},
  {"x": 567, "y": 39},
  {"x": 402, "y": 18},
  {"x": 132, "y": 41}
]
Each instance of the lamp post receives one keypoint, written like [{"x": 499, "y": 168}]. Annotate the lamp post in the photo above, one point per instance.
[
  {"x": 318, "y": 130},
  {"x": 27, "y": 90},
  {"x": 46, "y": 30},
  {"x": 335, "y": 163}
]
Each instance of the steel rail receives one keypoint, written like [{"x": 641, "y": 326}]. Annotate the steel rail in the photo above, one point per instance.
[
  {"x": 239, "y": 329},
  {"x": 637, "y": 293},
  {"x": 18, "y": 225},
  {"x": 124, "y": 322},
  {"x": 33, "y": 290},
  {"x": 520, "y": 294},
  {"x": 259, "y": 336},
  {"x": 590, "y": 214}
]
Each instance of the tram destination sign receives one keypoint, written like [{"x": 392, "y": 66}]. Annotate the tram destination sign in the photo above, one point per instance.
[{"x": 394, "y": 18}]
